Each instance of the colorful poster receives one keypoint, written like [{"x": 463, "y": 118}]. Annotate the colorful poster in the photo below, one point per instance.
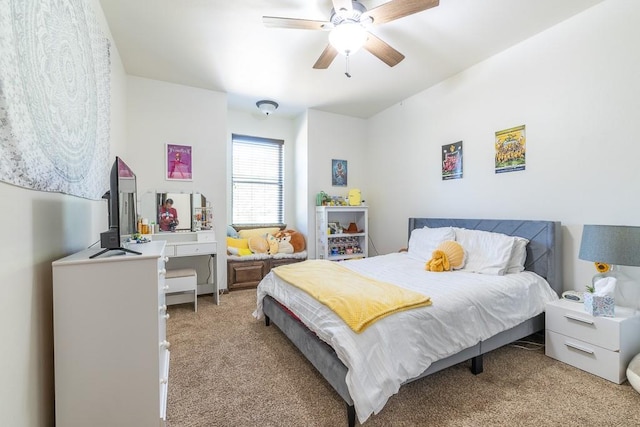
[
  {"x": 339, "y": 173},
  {"x": 178, "y": 163},
  {"x": 510, "y": 150},
  {"x": 452, "y": 161}
]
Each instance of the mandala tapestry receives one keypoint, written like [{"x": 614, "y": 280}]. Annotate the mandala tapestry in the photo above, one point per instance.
[{"x": 54, "y": 97}]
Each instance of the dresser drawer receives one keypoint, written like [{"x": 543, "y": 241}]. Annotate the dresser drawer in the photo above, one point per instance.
[
  {"x": 601, "y": 331},
  {"x": 195, "y": 249},
  {"x": 170, "y": 251},
  {"x": 162, "y": 274},
  {"x": 588, "y": 357}
]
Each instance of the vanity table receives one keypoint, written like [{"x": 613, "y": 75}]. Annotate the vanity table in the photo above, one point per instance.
[
  {"x": 183, "y": 247},
  {"x": 192, "y": 244}
]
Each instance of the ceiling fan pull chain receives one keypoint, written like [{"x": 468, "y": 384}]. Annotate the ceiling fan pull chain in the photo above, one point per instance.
[{"x": 347, "y": 71}]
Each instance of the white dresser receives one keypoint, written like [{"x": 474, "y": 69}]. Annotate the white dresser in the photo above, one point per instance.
[
  {"x": 603, "y": 346},
  {"x": 110, "y": 350}
]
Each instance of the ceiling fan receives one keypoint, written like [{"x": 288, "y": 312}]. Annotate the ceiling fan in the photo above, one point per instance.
[{"x": 348, "y": 25}]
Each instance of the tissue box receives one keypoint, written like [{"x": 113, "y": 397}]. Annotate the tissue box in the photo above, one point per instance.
[{"x": 599, "y": 305}]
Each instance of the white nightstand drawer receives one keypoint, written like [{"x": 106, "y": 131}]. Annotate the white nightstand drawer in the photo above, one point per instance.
[
  {"x": 588, "y": 357},
  {"x": 574, "y": 322}
]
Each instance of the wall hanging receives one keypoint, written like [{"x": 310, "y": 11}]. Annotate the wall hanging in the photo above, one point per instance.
[{"x": 54, "y": 97}]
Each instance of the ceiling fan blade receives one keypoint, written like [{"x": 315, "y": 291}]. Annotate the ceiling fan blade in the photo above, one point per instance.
[
  {"x": 293, "y": 23},
  {"x": 326, "y": 58},
  {"x": 342, "y": 4},
  {"x": 383, "y": 51},
  {"x": 396, "y": 9}
]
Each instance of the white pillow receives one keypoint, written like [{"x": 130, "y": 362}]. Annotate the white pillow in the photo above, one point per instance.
[
  {"x": 487, "y": 252},
  {"x": 424, "y": 241},
  {"x": 518, "y": 256}
]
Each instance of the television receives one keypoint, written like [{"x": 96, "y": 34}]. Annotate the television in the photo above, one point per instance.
[{"x": 121, "y": 202}]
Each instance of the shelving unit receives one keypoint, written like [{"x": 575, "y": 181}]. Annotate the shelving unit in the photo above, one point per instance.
[{"x": 339, "y": 246}]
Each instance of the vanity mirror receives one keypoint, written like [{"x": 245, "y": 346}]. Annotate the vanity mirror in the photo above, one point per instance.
[
  {"x": 173, "y": 212},
  {"x": 186, "y": 212},
  {"x": 202, "y": 213}
]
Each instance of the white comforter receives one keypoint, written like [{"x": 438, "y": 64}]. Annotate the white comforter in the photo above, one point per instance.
[{"x": 467, "y": 308}]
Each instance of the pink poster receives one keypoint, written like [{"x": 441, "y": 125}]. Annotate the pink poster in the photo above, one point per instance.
[{"x": 178, "y": 164}]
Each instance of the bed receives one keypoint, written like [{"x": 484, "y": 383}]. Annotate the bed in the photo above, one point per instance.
[{"x": 349, "y": 361}]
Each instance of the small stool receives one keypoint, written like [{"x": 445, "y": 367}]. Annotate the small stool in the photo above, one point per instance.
[{"x": 183, "y": 280}]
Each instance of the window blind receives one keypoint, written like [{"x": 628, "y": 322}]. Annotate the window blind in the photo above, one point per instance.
[{"x": 257, "y": 180}]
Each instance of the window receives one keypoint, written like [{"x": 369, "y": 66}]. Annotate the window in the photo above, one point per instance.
[{"x": 257, "y": 180}]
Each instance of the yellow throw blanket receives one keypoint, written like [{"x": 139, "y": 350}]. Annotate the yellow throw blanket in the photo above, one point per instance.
[{"x": 357, "y": 299}]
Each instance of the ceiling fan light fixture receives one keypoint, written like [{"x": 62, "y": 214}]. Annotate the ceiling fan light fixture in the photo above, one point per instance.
[
  {"x": 347, "y": 38},
  {"x": 267, "y": 107}
]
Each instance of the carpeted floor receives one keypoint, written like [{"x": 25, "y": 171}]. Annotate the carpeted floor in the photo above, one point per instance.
[{"x": 228, "y": 369}]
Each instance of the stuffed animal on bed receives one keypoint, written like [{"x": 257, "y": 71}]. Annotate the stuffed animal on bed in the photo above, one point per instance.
[
  {"x": 296, "y": 239},
  {"x": 449, "y": 255}
]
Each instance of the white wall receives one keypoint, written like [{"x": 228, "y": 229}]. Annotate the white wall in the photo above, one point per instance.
[
  {"x": 161, "y": 113},
  {"x": 274, "y": 127},
  {"x": 575, "y": 87},
  {"x": 301, "y": 173},
  {"x": 332, "y": 136},
  {"x": 44, "y": 227}
]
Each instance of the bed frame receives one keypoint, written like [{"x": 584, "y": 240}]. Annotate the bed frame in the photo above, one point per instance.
[{"x": 543, "y": 257}]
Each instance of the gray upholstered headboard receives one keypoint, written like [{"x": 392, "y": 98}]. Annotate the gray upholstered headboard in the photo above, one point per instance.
[{"x": 544, "y": 250}]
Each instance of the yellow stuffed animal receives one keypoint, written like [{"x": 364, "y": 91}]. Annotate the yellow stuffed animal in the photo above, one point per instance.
[
  {"x": 258, "y": 245},
  {"x": 273, "y": 244},
  {"x": 238, "y": 246},
  {"x": 449, "y": 255}
]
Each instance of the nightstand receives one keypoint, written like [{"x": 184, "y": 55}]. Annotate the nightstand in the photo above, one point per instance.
[{"x": 603, "y": 346}]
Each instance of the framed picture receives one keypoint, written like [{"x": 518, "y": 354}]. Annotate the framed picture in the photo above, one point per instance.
[
  {"x": 511, "y": 150},
  {"x": 334, "y": 228},
  {"x": 339, "y": 173},
  {"x": 178, "y": 163},
  {"x": 452, "y": 161}
]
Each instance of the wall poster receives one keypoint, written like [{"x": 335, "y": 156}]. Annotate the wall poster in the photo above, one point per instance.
[
  {"x": 178, "y": 165},
  {"x": 510, "y": 150},
  {"x": 339, "y": 173},
  {"x": 452, "y": 161}
]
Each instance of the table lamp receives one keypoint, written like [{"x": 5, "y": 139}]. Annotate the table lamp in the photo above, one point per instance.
[{"x": 615, "y": 245}]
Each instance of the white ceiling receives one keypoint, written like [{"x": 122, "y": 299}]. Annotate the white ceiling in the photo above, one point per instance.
[{"x": 222, "y": 45}]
